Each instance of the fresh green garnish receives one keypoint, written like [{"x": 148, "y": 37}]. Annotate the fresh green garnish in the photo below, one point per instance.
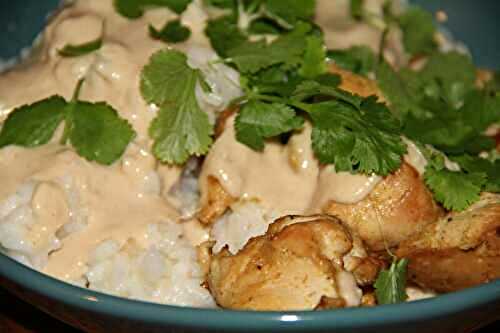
[
  {"x": 314, "y": 58},
  {"x": 71, "y": 50},
  {"x": 224, "y": 34},
  {"x": 456, "y": 190},
  {"x": 475, "y": 164},
  {"x": 33, "y": 125},
  {"x": 135, "y": 8},
  {"x": 258, "y": 121},
  {"x": 391, "y": 284},
  {"x": 249, "y": 18},
  {"x": 455, "y": 131},
  {"x": 95, "y": 130},
  {"x": 357, "y": 59},
  {"x": 446, "y": 78},
  {"x": 356, "y": 9},
  {"x": 288, "y": 49},
  {"x": 440, "y": 106},
  {"x": 365, "y": 140},
  {"x": 181, "y": 129},
  {"x": 418, "y": 31},
  {"x": 289, "y": 11},
  {"x": 172, "y": 32}
]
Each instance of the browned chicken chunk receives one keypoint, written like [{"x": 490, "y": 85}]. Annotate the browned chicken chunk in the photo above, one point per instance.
[
  {"x": 459, "y": 251},
  {"x": 398, "y": 207},
  {"x": 215, "y": 201},
  {"x": 356, "y": 84},
  {"x": 300, "y": 263}
]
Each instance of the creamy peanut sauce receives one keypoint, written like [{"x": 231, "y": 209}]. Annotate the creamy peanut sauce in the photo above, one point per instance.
[
  {"x": 286, "y": 179},
  {"x": 119, "y": 201},
  {"x": 414, "y": 156},
  {"x": 116, "y": 202},
  {"x": 282, "y": 177}
]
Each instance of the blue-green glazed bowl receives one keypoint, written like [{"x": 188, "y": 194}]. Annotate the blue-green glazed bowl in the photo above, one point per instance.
[{"x": 471, "y": 21}]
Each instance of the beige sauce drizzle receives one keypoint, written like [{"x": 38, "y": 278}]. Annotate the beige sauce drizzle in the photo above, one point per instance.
[
  {"x": 342, "y": 187},
  {"x": 286, "y": 179},
  {"x": 121, "y": 200},
  {"x": 414, "y": 156},
  {"x": 116, "y": 207},
  {"x": 267, "y": 176}
]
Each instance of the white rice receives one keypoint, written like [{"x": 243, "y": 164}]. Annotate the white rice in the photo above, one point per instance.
[
  {"x": 166, "y": 272},
  {"x": 245, "y": 220},
  {"x": 20, "y": 235}
]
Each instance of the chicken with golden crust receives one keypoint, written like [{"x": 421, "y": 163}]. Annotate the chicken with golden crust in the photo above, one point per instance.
[
  {"x": 458, "y": 251},
  {"x": 398, "y": 207},
  {"x": 300, "y": 263}
]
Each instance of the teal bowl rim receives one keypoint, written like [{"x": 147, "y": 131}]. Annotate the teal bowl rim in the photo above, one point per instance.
[{"x": 166, "y": 315}]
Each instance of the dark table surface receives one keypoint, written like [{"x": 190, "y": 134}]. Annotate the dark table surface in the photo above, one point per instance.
[{"x": 17, "y": 316}]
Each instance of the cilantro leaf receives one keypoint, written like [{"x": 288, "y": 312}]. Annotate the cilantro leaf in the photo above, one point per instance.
[
  {"x": 97, "y": 132},
  {"x": 325, "y": 85},
  {"x": 356, "y": 9},
  {"x": 314, "y": 63},
  {"x": 391, "y": 284},
  {"x": 357, "y": 59},
  {"x": 258, "y": 121},
  {"x": 456, "y": 131},
  {"x": 274, "y": 80},
  {"x": 251, "y": 57},
  {"x": 33, "y": 125},
  {"x": 264, "y": 26},
  {"x": 224, "y": 35},
  {"x": 455, "y": 190},
  {"x": 365, "y": 140},
  {"x": 291, "y": 11},
  {"x": 402, "y": 100},
  {"x": 172, "y": 32},
  {"x": 181, "y": 128},
  {"x": 418, "y": 31},
  {"x": 135, "y": 8},
  {"x": 452, "y": 73},
  {"x": 70, "y": 50},
  {"x": 475, "y": 164},
  {"x": 226, "y": 4}
]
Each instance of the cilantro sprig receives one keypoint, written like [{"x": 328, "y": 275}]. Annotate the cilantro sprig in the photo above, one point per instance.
[
  {"x": 181, "y": 129},
  {"x": 133, "y": 9},
  {"x": 71, "y": 50},
  {"x": 95, "y": 130},
  {"x": 171, "y": 32},
  {"x": 440, "y": 106},
  {"x": 390, "y": 286}
]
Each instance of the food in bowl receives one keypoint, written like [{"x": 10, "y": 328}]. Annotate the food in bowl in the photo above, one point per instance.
[{"x": 257, "y": 155}]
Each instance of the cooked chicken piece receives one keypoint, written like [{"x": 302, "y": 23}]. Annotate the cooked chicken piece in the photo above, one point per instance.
[
  {"x": 459, "y": 251},
  {"x": 356, "y": 84},
  {"x": 215, "y": 203},
  {"x": 216, "y": 200},
  {"x": 398, "y": 207},
  {"x": 299, "y": 264}
]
